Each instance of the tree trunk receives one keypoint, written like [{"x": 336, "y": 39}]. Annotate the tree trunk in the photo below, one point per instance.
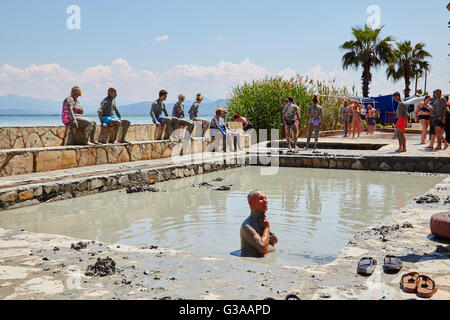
[
  {"x": 407, "y": 86},
  {"x": 366, "y": 79}
]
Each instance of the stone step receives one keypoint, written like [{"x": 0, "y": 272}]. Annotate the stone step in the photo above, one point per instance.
[{"x": 29, "y": 160}]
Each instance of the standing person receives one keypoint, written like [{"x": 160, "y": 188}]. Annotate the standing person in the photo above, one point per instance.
[
  {"x": 247, "y": 126},
  {"x": 193, "y": 113},
  {"x": 423, "y": 116},
  {"x": 447, "y": 124},
  {"x": 297, "y": 121},
  {"x": 402, "y": 121},
  {"x": 356, "y": 119},
  {"x": 256, "y": 238},
  {"x": 345, "y": 111},
  {"x": 290, "y": 112},
  {"x": 440, "y": 105},
  {"x": 159, "y": 107},
  {"x": 178, "y": 118},
  {"x": 110, "y": 117},
  {"x": 75, "y": 112},
  {"x": 314, "y": 119},
  {"x": 370, "y": 120},
  {"x": 432, "y": 126},
  {"x": 283, "y": 119}
]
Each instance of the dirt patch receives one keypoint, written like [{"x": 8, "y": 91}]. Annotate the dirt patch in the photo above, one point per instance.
[
  {"x": 428, "y": 198},
  {"x": 101, "y": 268},
  {"x": 143, "y": 188},
  {"x": 383, "y": 231}
]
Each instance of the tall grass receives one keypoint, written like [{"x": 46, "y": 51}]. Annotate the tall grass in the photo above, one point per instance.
[{"x": 261, "y": 101}]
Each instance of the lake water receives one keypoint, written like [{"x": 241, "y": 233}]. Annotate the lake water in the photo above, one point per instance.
[
  {"x": 313, "y": 212},
  {"x": 55, "y": 120}
]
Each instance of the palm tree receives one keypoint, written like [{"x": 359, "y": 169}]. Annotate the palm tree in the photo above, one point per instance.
[
  {"x": 367, "y": 50},
  {"x": 409, "y": 63}
]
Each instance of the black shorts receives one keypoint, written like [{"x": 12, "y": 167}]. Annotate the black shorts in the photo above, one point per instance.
[
  {"x": 432, "y": 128},
  {"x": 248, "y": 127},
  {"x": 440, "y": 124},
  {"x": 424, "y": 117}
]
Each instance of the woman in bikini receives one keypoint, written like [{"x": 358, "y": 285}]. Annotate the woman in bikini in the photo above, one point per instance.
[
  {"x": 370, "y": 120},
  {"x": 423, "y": 115},
  {"x": 356, "y": 123}
]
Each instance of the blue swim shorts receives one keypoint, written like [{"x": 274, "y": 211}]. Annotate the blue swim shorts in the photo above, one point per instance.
[{"x": 107, "y": 119}]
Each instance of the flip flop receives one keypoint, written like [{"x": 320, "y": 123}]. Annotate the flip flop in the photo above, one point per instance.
[
  {"x": 392, "y": 264},
  {"x": 292, "y": 297},
  {"x": 426, "y": 287},
  {"x": 366, "y": 266},
  {"x": 409, "y": 282}
]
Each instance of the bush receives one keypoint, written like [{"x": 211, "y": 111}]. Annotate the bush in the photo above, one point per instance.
[{"x": 261, "y": 102}]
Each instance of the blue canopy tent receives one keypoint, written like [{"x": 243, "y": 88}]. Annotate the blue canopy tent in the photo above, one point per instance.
[{"x": 387, "y": 107}]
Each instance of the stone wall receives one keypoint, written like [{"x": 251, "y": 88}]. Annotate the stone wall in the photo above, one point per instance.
[
  {"x": 53, "y": 136},
  {"x": 23, "y": 161},
  {"x": 408, "y": 164},
  {"x": 51, "y": 191}
]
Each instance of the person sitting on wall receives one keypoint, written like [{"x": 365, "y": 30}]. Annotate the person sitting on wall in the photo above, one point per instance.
[
  {"x": 247, "y": 126},
  {"x": 231, "y": 134},
  {"x": 256, "y": 238},
  {"x": 193, "y": 113},
  {"x": 178, "y": 117},
  {"x": 158, "y": 107},
  {"x": 218, "y": 127},
  {"x": 73, "y": 116},
  {"x": 110, "y": 117}
]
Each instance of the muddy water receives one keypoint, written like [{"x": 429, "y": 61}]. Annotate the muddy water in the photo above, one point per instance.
[{"x": 314, "y": 212}]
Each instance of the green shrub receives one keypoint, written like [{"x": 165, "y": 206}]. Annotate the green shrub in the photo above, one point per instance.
[{"x": 261, "y": 102}]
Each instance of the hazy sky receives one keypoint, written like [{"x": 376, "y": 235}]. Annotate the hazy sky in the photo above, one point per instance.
[{"x": 204, "y": 46}]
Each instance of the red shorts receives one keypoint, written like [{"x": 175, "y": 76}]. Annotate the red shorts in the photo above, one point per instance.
[{"x": 401, "y": 123}]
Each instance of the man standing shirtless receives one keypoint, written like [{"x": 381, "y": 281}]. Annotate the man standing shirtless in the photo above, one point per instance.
[{"x": 256, "y": 238}]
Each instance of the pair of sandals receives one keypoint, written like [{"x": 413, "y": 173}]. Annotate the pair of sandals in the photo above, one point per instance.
[
  {"x": 422, "y": 285},
  {"x": 288, "y": 297},
  {"x": 367, "y": 265}
]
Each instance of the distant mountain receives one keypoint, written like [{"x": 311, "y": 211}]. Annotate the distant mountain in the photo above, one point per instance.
[{"x": 19, "y": 105}]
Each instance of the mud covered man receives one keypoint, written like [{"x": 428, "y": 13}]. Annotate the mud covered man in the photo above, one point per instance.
[
  {"x": 256, "y": 238},
  {"x": 110, "y": 117}
]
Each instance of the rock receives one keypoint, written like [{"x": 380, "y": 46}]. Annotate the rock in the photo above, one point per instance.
[
  {"x": 102, "y": 268},
  {"x": 428, "y": 198},
  {"x": 141, "y": 188},
  {"x": 223, "y": 188},
  {"x": 78, "y": 246},
  {"x": 384, "y": 166},
  {"x": 26, "y": 195},
  {"x": 8, "y": 196}
]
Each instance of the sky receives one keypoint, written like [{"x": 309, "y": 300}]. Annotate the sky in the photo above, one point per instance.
[{"x": 207, "y": 46}]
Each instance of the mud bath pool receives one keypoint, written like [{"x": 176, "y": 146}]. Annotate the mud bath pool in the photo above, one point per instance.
[{"x": 314, "y": 212}]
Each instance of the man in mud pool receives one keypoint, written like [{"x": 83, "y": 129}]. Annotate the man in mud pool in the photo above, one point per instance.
[{"x": 256, "y": 238}]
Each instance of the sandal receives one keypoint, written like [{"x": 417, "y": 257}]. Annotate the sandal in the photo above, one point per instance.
[
  {"x": 366, "y": 266},
  {"x": 392, "y": 264},
  {"x": 409, "y": 282},
  {"x": 426, "y": 287},
  {"x": 292, "y": 297}
]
